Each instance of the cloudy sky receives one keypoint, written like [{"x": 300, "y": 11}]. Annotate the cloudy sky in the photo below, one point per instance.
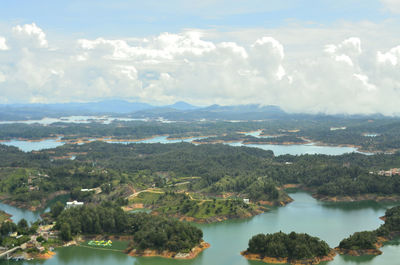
[{"x": 329, "y": 56}]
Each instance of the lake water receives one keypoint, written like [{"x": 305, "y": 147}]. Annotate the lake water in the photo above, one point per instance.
[
  {"x": 329, "y": 221},
  {"x": 301, "y": 149},
  {"x": 160, "y": 139},
  {"x": 28, "y": 146},
  {"x": 18, "y": 213},
  {"x": 74, "y": 119},
  {"x": 309, "y": 148}
]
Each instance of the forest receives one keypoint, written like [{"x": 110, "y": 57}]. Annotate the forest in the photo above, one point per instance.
[{"x": 207, "y": 171}]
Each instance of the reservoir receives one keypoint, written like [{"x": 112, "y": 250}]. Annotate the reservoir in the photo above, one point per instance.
[
  {"x": 18, "y": 213},
  {"x": 299, "y": 149},
  {"x": 329, "y": 221}
]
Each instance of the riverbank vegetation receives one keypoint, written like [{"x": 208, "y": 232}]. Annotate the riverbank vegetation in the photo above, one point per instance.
[
  {"x": 369, "y": 242},
  {"x": 12, "y": 235},
  {"x": 4, "y": 216}
]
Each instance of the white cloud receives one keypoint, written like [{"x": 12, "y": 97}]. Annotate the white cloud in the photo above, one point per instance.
[
  {"x": 3, "y": 44},
  {"x": 392, "y": 5},
  {"x": 342, "y": 75},
  {"x": 345, "y": 51},
  {"x": 392, "y": 56},
  {"x": 33, "y": 33},
  {"x": 344, "y": 58},
  {"x": 365, "y": 81}
]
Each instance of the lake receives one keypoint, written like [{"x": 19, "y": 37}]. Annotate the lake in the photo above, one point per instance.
[
  {"x": 18, "y": 213},
  {"x": 28, "y": 146},
  {"x": 74, "y": 119},
  {"x": 309, "y": 148},
  {"x": 329, "y": 221}
]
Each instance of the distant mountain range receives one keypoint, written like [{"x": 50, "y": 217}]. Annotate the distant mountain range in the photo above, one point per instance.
[{"x": 178, "y": 111}]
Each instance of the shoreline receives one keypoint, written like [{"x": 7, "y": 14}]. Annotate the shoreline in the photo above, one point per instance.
[
  {"x": 25, "y": 205},
  {"x": 314, "y": 261},
  {"x": 361, "y": 252},
  {"x": 357, "y": 198},
  {"x": 194, "y": 252},
  {"x": 273, "y": 143},
  {"x": 216, "y": 219},
  {"x": 5, "y": 216},
  {"x": 188, "y": 137}
]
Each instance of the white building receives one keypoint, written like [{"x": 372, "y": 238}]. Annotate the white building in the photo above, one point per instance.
[{"x": 73, "y": 204}]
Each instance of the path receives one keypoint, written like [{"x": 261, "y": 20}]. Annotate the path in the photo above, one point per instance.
[{"x": 5, "y": 253}]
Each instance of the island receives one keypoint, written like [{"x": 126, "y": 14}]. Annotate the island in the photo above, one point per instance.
[
  {"x": 360, "y": 243},
  {"x": 293, "y": 248}
]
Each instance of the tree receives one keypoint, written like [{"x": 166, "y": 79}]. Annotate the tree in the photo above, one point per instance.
[
  {"x": 65, "y": 232},
  {"x": 22, "y": 225},
  {"x": 56, "y": 209}
]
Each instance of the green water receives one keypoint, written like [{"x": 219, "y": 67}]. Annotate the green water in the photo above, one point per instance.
[{"x": 329, "y": 221}]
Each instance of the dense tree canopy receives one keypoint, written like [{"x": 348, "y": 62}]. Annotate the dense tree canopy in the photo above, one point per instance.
[
  {"x": 292, "y": 246},
  {"x": 360, "y": 240},
  {"x": 148, "y": 231}
]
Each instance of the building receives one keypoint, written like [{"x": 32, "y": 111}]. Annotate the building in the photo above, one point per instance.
[
  {"x": 389, "y": 173},
  {"x": 247, "y": 201},
  {"x": 74, "y": 204},
  {"x": 338, "y": 128}
]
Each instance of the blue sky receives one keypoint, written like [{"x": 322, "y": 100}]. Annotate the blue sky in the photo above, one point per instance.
[
  {"x": 330, "y": 56},
  {"x": 141, "y": 18}
]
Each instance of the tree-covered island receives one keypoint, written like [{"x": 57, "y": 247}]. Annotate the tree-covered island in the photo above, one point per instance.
[{"x": 293, "y": 248}]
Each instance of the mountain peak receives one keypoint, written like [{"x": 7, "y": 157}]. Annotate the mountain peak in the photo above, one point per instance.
[{"x": 181, "y": 105}]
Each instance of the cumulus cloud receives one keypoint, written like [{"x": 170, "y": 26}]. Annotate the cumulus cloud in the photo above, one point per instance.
[
  {"x": 346, "y": 76},
  {"x": 31, "y": 32},
  {"x": 392, "y": 57}
]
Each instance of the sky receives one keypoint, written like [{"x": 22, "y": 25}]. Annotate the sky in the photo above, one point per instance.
[{"x": 312, "y": 56}]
